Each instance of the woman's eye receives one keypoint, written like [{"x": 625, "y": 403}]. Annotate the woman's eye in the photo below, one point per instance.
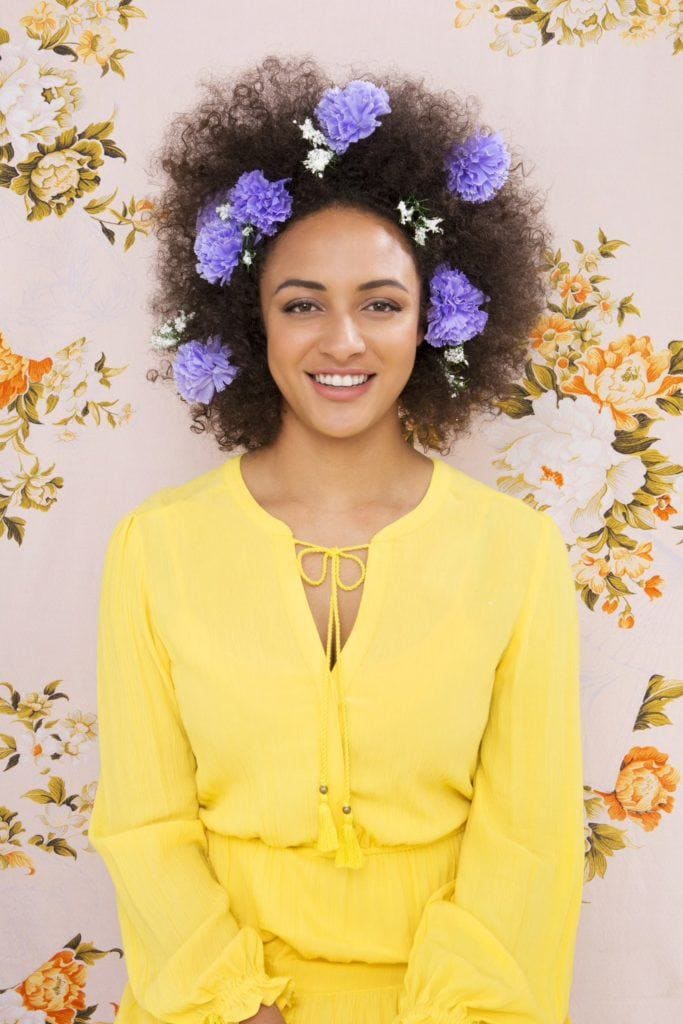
[
  {"x": 388, "y": 305},
  {"x": 295, "y": 305}
]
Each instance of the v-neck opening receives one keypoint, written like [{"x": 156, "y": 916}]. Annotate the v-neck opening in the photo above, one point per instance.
[{"x": 293, "y": 585}]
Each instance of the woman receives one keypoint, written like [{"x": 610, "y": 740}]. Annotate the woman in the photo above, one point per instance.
[{"x": 338, "y": 679}]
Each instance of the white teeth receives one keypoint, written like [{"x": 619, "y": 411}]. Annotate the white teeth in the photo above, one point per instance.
[{"x": 337, "y": 381}]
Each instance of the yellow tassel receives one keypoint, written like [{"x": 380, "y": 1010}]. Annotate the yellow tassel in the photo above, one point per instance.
[
  {"x": 327, "y": 831},
  {"x": 349, "y": 854}
]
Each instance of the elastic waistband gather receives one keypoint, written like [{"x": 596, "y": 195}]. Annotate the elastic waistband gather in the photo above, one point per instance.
[
  {"x": 310, "y": 850},
  {"x": 318, "y": 976}
]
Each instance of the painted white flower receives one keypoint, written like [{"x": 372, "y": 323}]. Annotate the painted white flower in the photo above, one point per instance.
[
  {"x": 563, "y": 456},
  {"x": 582, "y": 16},
  {"x": 37, "y": 747},
  {"x": 36, "y": 100},
  {"x": 80, "y": 724},
  {"x": 13, "y": 1009},
  {"x": 515, "y": 36},
  {"x": 61, "y": 820}
]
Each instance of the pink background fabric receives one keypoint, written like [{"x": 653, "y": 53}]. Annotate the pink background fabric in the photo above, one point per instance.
[{"x": 85, "y": 435}]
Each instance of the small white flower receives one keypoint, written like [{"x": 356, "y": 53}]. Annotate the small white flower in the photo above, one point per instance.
[
  {"x": 170, "y": 332},
  {"x": 455, "y": 354},
  {"x": 317, "y": 160},
  {"x": 181, "y": 321},
  {"x": 420, "y": 235},
  {"x": 162, "y": 341},
  {"x": 223, "y": 211},
  {"x": 430, "y": 223},
  {"x": 311, "y": 133},
  {"x": 405, "y": 211},
  {"x": 248, "y": 229},
  {"x": 247, "y": 258}
]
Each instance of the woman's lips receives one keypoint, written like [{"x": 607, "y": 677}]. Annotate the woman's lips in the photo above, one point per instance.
[{"x": 341, "y": 394}]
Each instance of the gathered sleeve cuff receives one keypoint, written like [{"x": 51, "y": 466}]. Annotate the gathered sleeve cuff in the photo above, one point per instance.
[
  {"x": 495, "y": 945},
  {"x": 188, "y": 959}
]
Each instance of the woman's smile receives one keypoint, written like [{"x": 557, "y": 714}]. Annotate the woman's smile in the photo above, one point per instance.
[{"x": 341, "y": 387}]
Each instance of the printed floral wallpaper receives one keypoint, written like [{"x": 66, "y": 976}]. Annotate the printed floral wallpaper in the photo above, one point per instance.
[{"x": 592, "y": 433}]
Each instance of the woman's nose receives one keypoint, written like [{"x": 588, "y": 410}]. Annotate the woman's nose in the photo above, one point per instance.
[{"x": 341, "y": 335}]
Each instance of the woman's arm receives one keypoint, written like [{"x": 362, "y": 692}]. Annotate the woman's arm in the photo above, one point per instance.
[
  {"x": 496, "y": 944},
  {"x": 188, "y": 959}
]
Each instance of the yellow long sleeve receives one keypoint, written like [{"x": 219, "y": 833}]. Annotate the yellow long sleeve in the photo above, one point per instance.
[
  {"x": 496, "y": 943},
  {"x": 188, "y": 960}
]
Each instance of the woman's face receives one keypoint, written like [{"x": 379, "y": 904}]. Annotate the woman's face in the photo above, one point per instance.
[{"x": 340, "y": 295}]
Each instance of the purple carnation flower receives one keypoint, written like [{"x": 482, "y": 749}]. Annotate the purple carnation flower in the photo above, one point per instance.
[
  {"x": 453, "y": 314},
  {"x": 218, "y": 243},
  {"x": 201, "y": 368},
  {"x": 478, "y": 167},
  {"x": 260, "y": 202},
  {"x": 349, "y": 114}
]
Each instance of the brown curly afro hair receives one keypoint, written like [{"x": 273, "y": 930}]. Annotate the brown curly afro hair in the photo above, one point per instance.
[{"x": 244, "y": 122}]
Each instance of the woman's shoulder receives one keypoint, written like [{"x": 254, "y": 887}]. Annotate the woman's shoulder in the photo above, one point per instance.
[
  {"x": 507, "y": 516},
  {"x": 188, "y": 502}
]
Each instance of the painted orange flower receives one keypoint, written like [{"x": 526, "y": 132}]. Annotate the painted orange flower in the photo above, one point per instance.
[
  {"x": 653, "y": 586},
  {"x": 627, "y": 377},
  {"x": 663, "y": 508},
  {"x": 143, "y": 216},
  {"x": 17, "y": 373},
  {"x": 576, "y": 287},
  {"x": 644, "y": 787},
  {"x": 57, "y": 988},
  {"x": 550, "y": 333}
]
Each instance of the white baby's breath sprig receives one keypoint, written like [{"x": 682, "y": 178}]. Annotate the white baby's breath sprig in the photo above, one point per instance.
[
  {"x": 172, "y": 332},
  {"x": 455, "y": 356},
  {"x": 248, "y": 252},
  {"x": 414, "y": 213},
  {"x": 321, "y": 153}
]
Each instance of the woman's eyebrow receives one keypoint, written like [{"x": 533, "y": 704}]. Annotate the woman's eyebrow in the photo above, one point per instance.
[{"x": 300, "y": 283}]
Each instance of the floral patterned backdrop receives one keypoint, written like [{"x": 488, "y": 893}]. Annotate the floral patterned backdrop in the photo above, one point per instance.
[{"x": 592, "y": 90}]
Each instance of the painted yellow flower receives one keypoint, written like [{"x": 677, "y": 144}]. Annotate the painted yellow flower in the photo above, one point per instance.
[
  {"x": 631, "y": 564},
  {"x": 41, "y": 20},
  {"x": 467, "y": 9},
  {"x": 592, "y": 572},
  {"x": 639, "y": 30},
  {"x": 97, "y": 46},
  {"x": 100, "y": 10}
]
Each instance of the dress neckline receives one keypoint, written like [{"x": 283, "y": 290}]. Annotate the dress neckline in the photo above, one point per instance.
[{"x": 233, "y": 476}]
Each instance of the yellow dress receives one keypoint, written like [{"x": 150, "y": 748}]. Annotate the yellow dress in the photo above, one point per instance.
[{"x": 397, "y": 840}]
